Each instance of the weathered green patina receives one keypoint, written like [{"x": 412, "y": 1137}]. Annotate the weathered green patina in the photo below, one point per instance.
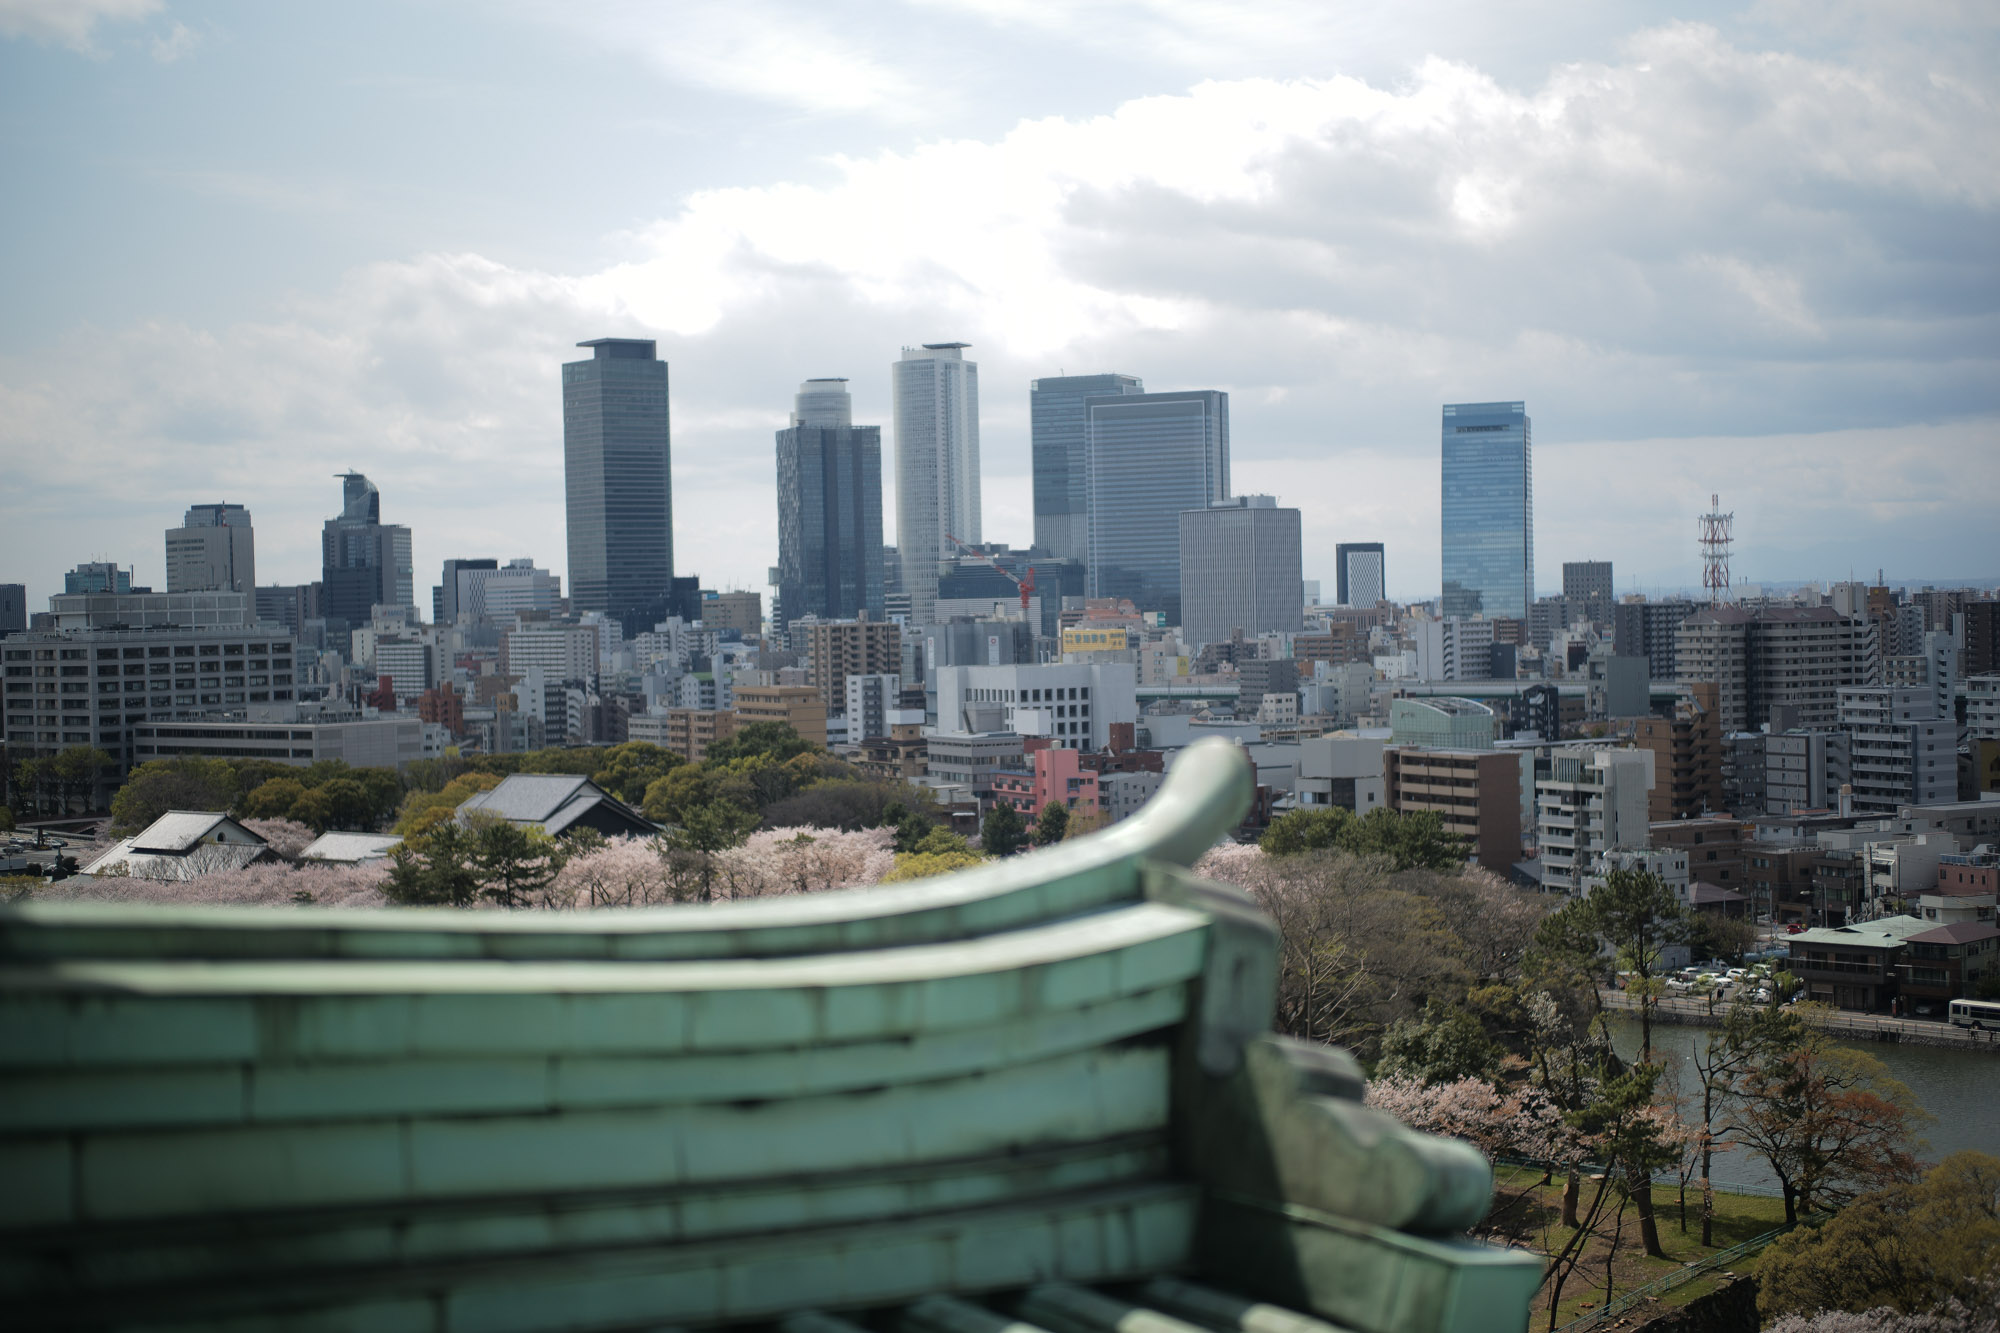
[{"x": 918, "y": 1105}]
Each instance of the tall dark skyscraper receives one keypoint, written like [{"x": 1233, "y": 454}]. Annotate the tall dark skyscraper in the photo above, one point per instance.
[
  {"x": 1152, "y": 455},
  {"x": 618, "y": 482},
  {"x": 1489, "y": 510},
  {"x": 364, "y": 562},
  {"x": 829, "y": 509},
  {"x": 1361, "y": 573},
  {"x": 1061, "y": 452}
]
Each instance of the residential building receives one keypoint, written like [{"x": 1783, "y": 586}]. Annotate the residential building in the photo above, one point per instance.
[
  {"x": 936, "y": 393},
  {"x": 1477, "y": 793},
  {"x": 563, "y": 652},
  {"x": 1593, "y": 801},
  {"x": 1258, "y": 679},
  {"x": 1649, "y": 630},
  {"x": 800, "y": 707},
  {"x": 899, "y": 753},
  {"x": 364, "y": 562},
  {"x": 214, "y": 550},
  {"x": 1902, "y": 753},
  {"x": 829, "y": 508},
  {"x": 1805, "y": 769},
  {"x": 1982, "y": 706},
  {"x": 1489, "y": 510},
  {"x": 1059, "y": 436},
  {"x": 1152, "y": 456},
  {"x": 1687, "y": 755},
  {"x": 688, "y": 732},
  {"x": 1454, "y": 648},
  {"x": 1766, "y": 657},
  {"x": 1122, "y": 795},
  {"x": 93, "y": 686},
  {"x": 1241, "y": 568},
  {"x": 1946, "y": 963},
  {"x": 1717, "y": 848},
  {"x": 1980, "y": 632},
  {"x": 868, "y": 701},
  {"x": 618, "y": 481},
  {"x": 740, "y": 611},
  {"x": 1854, "y": 966},
  {"x": 362, "y": 742},
  {"x": 1439, "y": 722},
  {"x": 970, "y": 759},
  {"x": 1343, "y": 771},
  {"x": 842, "y": 648},
  {"x": 1361, "y": 573},
  {"x": 1071, "y": 704},
  {"x": 1054, "y": 774}
]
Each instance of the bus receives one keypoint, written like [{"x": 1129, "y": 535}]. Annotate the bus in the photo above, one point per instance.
[{"x": 1976, "y": 1013}]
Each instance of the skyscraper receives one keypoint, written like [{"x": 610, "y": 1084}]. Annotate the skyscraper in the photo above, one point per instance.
[
  {"x": 1061, "y": 454},
  {"x": 1489, "y": 510},
  {"x": 1152, "y": 455},
  {"x": 213, "y": 550},
  {"x": 1361, "y": 575},
  {"x": 937, "y": 463},
  {"x": 618, "y": 481},
  {"x": 829, "y": 509},
  {"x": 364, "y": 562},
  {"x": 1240, "y": 569}
]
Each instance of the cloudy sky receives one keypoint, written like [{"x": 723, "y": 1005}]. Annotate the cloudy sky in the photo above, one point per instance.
[{"x": 1749, "y": 248}]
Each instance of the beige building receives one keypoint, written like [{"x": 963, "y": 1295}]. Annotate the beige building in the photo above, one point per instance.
[
  {"x": 688, "y": 732},
  {"x": 741, "y": 611},
  {"x": 798, "y": 706},
  {"x": 1476, "y": 792},
  {"x": 843, "y": 648}
]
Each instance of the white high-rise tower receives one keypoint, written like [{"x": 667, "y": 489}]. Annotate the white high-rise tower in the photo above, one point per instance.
[{"x": 937, "y": 463}]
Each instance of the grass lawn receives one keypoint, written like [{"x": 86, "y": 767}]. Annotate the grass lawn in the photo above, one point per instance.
[{"x": 1526, "y": 1212}]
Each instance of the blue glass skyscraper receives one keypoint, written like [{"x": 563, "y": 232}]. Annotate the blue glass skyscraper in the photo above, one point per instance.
[
  {"x": 1152, "y": 455},
  {"x": 1489, "y": 510},
  {"x": 829, "y": 509},
  {"x": 1060, "y": 441},
  {"x": 618, "y": 482}
]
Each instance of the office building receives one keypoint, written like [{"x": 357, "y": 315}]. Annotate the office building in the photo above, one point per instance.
[
  {"x": 1242, "y": 567},
  {"x": 1453, "y": 649},
  {"x": 618, "y": 481},
  {"x": 445, "y": 597},
  {"x": 92, "y": 685},
  {"x": 796, "y": 706},
  {"x": 1360, "y": 577},
  {"x": 364, "y": 562},
  {"x": 936, "y": 392},
  {"x": 1587, "y": 591},
  {"x": 1476, "y": 793},
  {"x": 843, "y": 648},
  {"x": 829, "y": 509},
  {"x": 148, "y": 610},
  {"x": 13, "y": 608},
  {"x": 1901, "y": 752},
  {"x": 500, "y": 596},
  {"x": 1344, "y": 771},
  {"x": 739, "y": 611},
  {"x": 1793, "y": 659},
  {"x": 561, "y": 652},
  {"x": 1152, "y": 457},
  {"x": 1072, "y": 704},
  {"x": 372, "y": 742},
  {"x": 97, "y": 576},
  {"x": 1060, "y": 444},
  {"x": 213, "y": 550},
  {"x": 1489, "y": 510},
  {"x": 1440, "y": 722},
  {"x": 1593, "y": 801}
]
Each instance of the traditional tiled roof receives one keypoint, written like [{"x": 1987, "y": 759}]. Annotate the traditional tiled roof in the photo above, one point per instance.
[{"x": 178, "y": 830}]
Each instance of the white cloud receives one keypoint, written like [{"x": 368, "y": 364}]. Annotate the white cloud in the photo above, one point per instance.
[
  {"x": 1770, "y": 269},
  {"x": 178, "y": 41},
  {"x": 68, "y": 23}
]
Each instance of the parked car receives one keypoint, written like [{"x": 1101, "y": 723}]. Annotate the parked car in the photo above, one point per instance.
[{"x": 1762, "y": 995}]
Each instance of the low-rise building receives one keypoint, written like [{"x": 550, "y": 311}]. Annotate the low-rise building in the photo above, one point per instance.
[
  {"x": 1054, "y": 775},
  {"x": 970, "y": 759},
  {"x": 390, "y": 741},
  {"x": 1946, "y": 963},
  {"x": 1853, "y": 966},
  {"x": 1345, "y": 771}
]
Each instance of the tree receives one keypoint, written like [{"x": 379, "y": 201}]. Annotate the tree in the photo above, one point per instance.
[
  {"x": 704, "y": 831},
  {"x": 774, "y": 740},
  {"x": 160, "y": 785},
  {"x": 632, "y": 767},
  {"x": 341, "y": 803},
  {"x": 1911, "y": 1247},
  {"x": 513, "y": 863},
  {"x": 1003, "y": 831},
  {"x": 1639, "y": 917},
  {"x": 1830, "y": 1121},
  {"x": 1313, "y": 829},
  {"x": 1446, "y": 1044},
  {"x": 1417, "y": 840},
  {"x": 77, "y": 771},
  {"x": 274, "y": 799},
  {"x": 422, "y": 809},
  {"x": 6, "y": 819},
  {"x": 439, "y": 871},
  {"x": 940, "y": 853},
  {"x": 1052, "y": 824}
]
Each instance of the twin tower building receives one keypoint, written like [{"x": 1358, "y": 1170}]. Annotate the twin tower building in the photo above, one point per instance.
[{"x": 1115, "y": 470}]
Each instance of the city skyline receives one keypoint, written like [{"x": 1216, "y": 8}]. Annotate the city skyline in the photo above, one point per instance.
[{"x": 1828, "y": 367}]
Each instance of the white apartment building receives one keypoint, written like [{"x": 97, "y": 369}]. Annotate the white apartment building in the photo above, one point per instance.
[
  {"x": 1073, "y": 704},
  {"x": 563, "y": 652},
  {"x": 1982, "y": 707},
  {"x": 870, "y": 699},
  {"x": 1902, "y": 752},
  {"x": 1453, "y": 649},
  {"x": 1592, "y": 802}
]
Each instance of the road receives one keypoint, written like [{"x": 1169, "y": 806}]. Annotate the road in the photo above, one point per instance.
[{"x": 1697, "y": 1010}]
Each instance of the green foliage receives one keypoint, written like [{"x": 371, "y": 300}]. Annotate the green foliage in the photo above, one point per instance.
[
  {"x": 160, "y": 785},
  {"x": 1911, "y": 1247},
  {"x": 422, "y": 809},
  {"x": 773, "y": 740},
  {"x": 632, "y": 767},
  {"x": 1987, "y": 988},
  {"x": 274, "y": 799},
  {"x": 440, "y": 873},
  {"x": 940, "y": 853},
  {"x": 1414, "y": 841},
  {"x": 513, "y": 863},
  {"x": 455, "y": 864},
  {"x": 339, "y": 803},
  {"x": 1002, "y": 832},
  {"x": 6, "y": 819},
  {"x": 1446, "y": 1044},
  {"x": 854, "y": 803},
  {"x": 711, "y": 827},
  {"x": 1052, "y": 824}
]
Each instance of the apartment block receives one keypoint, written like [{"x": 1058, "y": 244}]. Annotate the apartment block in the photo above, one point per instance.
[
  {"x": 1774, "y": 657},
  {"x": 1902, "y": 752},
  {"x": 1477, "y": 793},
  {"x": 843, "y": 648},
  {"x": 1593, "y": 801},
  {"x": 1687, "y": 755},
  {"x": 800, "y": 707}
]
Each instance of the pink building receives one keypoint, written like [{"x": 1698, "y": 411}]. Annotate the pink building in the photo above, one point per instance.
[{"x": 1058, "y": 775}]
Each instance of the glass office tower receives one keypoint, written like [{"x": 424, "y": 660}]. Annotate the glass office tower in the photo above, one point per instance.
[
  {"x": 1060, "y": 449},
  {"x": 936, "y": 393},
  {"x": 364, "y": 562},
  {"x": 829, "y": 509},
  {"x": 618, "y": 482},
  {"x": 1361, "y": 578},
  {"x": 1489, "y": 510},
  {"x": 1152, "y": 456}
]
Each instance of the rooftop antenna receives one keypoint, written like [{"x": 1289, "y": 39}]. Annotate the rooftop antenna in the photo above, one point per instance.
[{"x": 1715, "y": 538}]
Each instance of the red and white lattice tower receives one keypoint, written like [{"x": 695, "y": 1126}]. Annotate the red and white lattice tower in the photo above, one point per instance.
[{"x": 1715, "y": 538}]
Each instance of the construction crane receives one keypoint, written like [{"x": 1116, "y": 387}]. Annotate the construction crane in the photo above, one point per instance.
[{"x": 1027, "y": 585}]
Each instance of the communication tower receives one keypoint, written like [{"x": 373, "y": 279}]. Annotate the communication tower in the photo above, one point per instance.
[{"x": 1716, "y": 529}]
